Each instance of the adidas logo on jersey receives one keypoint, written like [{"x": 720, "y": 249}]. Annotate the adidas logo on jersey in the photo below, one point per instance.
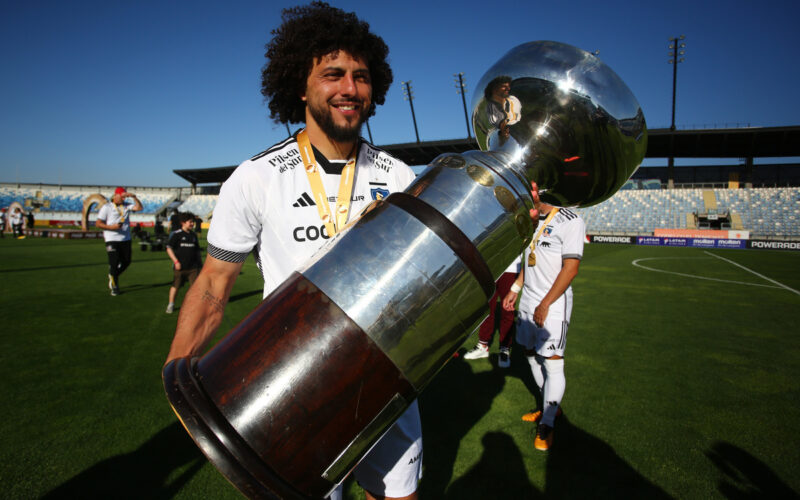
[{"x": 304, "y": 201}]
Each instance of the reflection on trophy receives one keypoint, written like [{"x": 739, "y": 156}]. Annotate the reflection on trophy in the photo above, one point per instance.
[{"x": 287, "y": 404}]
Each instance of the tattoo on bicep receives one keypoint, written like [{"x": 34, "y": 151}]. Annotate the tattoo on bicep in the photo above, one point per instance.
[{"x": 215, "y": 302}]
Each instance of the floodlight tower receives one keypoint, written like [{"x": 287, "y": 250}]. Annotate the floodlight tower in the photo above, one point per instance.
[
  {"x": 409, "y": 96},
  {"x": 461, "y": 88},
  {"x": 676, "y": 47}
]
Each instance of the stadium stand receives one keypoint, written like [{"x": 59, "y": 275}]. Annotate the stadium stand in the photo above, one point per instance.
[
  {"x": 201, "y": 205},
  {"x": 639, "y": 208},
  {"x": 765, "y": 212}
]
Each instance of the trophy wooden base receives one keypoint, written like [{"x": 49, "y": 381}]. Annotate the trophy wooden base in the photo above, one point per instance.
[{"x": 290, "y": 400}]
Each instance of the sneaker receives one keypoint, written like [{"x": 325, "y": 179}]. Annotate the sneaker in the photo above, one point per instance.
[
  {"x": 544, "y": 437},
  {"x": 480, "y": 351},
  {"x": 504, "y": 361},
  {"x": 114, "y": 292},
  {"x": 170, "y": 308},
  {"x": 534, "y": 416}
]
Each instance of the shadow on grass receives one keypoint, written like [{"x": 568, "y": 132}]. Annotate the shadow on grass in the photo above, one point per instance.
[
  {"x": 500, "y": 473},
  {"x": 579, "y": 465},
  {"x": 73, "y": 266},
  {"x": 140, "y": 287},
  {"x": 450, "y": 406},
  {"x": 142, "y": 473},
  {"x": 744, "y": 476}
]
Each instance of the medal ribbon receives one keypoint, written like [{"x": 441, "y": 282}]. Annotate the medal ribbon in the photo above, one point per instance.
[
  {"x": 342, "y": 209},
  {"x": 511, "y": 113},
  {"x": 532, "y": 256}
]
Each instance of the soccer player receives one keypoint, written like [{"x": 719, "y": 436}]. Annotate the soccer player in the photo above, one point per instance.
[
  {"x": 183, "y": 249},
  {"x": 326, "y": 69},
  {"x": 548, "y": 267},
  {"x": 16, "y": 223},
  {"x": 114, "y": 218}
]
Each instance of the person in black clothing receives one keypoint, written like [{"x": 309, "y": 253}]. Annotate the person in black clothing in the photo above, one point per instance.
[
  {"x": 183, "y": 248},
  {"x": 175, "y": 222}
]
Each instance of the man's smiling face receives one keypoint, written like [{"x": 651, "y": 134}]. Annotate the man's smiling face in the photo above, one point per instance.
[{"x": 338, "y": 95}]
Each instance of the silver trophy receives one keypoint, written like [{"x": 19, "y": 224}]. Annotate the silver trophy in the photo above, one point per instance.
[{"x": 287, "y": 404}]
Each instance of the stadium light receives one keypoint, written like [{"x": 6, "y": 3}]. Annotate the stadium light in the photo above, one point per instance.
[
  {"x": 676, "y": 47},
  {"x": 461, "y": 88},
  {"x": 676, "y": 56},
  {"x": 409, "y": 96}
]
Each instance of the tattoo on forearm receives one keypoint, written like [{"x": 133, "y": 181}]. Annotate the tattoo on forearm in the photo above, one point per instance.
[{"x": 215, "y": 302}]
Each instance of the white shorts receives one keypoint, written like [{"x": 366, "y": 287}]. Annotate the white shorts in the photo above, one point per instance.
[
  {"x": 393, "y": 467},
  {"x": 551, "y": 339}
]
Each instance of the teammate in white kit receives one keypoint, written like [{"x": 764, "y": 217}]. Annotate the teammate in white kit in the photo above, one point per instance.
[
  {"x": 114, "y": 218},
  {"x": 325, "y": 69},
  {"x": 548, "y": 267}
]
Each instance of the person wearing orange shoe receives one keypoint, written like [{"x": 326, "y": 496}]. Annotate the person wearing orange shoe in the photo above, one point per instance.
[{"x": 548, "y": 267}]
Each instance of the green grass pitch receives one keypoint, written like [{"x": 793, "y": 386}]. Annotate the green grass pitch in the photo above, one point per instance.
[{"x": 683, "y": 381}]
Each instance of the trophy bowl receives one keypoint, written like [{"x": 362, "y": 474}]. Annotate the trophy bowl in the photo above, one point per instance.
[{"x": 571, "y": 124}]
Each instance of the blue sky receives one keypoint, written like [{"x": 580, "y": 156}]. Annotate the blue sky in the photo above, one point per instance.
[{"x": 112, "y": 92}]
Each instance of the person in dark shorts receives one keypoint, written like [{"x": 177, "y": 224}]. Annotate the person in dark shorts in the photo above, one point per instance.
[{"x": 183, "y": 248}]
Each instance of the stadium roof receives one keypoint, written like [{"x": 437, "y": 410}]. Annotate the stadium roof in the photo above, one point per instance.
[{"x": 752, "y": 142}]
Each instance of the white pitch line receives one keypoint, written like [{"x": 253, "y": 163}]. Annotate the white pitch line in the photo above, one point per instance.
[
  {"x": 751, "y": 271},
  {"x": 636, "y": 263}
]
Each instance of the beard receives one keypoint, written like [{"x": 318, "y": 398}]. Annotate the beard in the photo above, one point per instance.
[{"x": 338, "y": 133}]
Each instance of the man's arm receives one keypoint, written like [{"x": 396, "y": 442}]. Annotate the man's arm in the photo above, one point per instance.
[
  {"x": 137, "y": 205},
  {"x": 101, "y": 221},
  {"x": 569, "y": 269},
  {"x": 511, "y": 297},
  {"x": 175, "y": 260},
  {"x": 108, "y": 227},
  {"x": 203, "y": 307}
]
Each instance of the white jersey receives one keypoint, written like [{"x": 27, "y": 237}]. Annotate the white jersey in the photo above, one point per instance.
[
  {"x": 116, "y": 214},
  {"x": 561, "y": 239},
  {"x": 267, "y": 206}
]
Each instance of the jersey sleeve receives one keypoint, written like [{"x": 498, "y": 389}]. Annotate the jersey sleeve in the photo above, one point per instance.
[
  {"x": 236, "y": 223},
  {"x": 103, "y": 213},
  {"x": 172, "y": 240},
  {"x": 574, "y": 235}
]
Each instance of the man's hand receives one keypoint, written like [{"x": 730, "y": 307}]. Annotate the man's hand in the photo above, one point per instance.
[
  {"x": 177, "y": 264},
  {"x": 536, "y": 202},
  {"x": 509, "y": 301},
  {"x": 540, "y": 314},
  {"x": 107, "y": 227}
]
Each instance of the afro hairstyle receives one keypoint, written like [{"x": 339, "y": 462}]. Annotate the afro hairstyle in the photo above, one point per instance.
[{"x": 307, "y": 34}]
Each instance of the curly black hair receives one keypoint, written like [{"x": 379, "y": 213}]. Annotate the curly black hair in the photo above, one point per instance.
[
  {"x": 308, "y": 33},
  {"x": 496, "y": 82}
]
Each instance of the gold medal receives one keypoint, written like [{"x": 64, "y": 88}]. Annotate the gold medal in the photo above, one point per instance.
[
  {"x": 532, "y": 255},
  {"x": 333, "y": 225}
]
